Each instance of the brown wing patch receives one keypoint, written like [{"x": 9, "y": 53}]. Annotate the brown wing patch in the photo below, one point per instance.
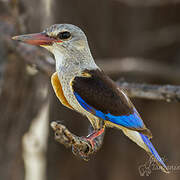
[
  {"x": 101, "y": 92},
  {"x": 58, "y": 90}
]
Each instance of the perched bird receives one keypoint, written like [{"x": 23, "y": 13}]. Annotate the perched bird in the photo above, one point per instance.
[{"x": 82, "y": 86}]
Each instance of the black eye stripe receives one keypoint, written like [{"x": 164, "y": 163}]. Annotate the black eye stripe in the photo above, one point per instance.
[{"x": 64, "y": 35}]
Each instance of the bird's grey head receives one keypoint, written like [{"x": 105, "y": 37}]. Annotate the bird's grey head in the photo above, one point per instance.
[
  {"x": 68, "y": 39},
  {"x": 67, "y": 42}
]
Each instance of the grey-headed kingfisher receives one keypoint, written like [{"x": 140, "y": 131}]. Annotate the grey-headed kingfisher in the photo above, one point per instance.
[{"x": 82, "y": 86}]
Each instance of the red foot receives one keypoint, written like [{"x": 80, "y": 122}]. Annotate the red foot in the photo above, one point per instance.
[{"x": 91, "y": 137}]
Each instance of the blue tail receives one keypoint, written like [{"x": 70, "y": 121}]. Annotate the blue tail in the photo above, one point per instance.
[{"x": 155, "y": 154}]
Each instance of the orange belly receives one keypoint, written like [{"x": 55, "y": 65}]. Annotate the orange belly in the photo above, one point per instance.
[{"x": 58, "y": 90}]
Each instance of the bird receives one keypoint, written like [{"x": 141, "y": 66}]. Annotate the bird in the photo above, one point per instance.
[{"x": 82, "y": 86}]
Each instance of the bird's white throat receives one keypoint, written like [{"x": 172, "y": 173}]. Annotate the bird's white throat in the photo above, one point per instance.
[{"x": 59, "y": 57}]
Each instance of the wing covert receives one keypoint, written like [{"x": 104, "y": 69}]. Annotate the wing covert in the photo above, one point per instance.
[{"x": 98, "y": 94}]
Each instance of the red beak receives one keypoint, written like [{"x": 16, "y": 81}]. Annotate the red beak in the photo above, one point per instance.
[{"x": 36, "y": 39}]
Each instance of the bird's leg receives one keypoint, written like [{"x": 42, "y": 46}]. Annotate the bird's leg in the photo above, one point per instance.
[
  {"x": 83, "y": 147},
  {"x": 95, "y": 137},
  {"x": 95, "y": 140}
]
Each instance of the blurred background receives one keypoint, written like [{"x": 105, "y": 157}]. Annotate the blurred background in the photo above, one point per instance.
[{"x": 136, "y": 40}]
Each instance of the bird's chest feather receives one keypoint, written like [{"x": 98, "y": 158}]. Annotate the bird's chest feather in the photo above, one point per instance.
[{"x": 68, "y": 92}]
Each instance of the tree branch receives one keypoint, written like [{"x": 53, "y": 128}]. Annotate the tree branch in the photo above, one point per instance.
[
  {"x": 45, "y": 63},
  {"x": 148, "y": 3},
  {"x": 147, "y": 67},
  {"x": 168, "y": 93},
  {"x": 42, "y": 60},
  {"x": 80, "y": 146}
]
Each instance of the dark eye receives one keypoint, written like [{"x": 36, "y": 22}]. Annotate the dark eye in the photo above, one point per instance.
[{"x": 64, "y": 35}]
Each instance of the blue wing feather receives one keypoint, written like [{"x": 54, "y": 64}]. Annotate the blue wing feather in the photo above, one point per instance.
[
  {"x": 129, "y": 121},
  {"x": 154, "y": 152}
]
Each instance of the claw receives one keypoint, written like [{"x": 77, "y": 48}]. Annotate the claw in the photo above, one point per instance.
[{"x": 83, "y": 147}]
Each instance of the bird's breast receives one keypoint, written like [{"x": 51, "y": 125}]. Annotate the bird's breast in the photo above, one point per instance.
[{"x": 66, "y": 80}]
